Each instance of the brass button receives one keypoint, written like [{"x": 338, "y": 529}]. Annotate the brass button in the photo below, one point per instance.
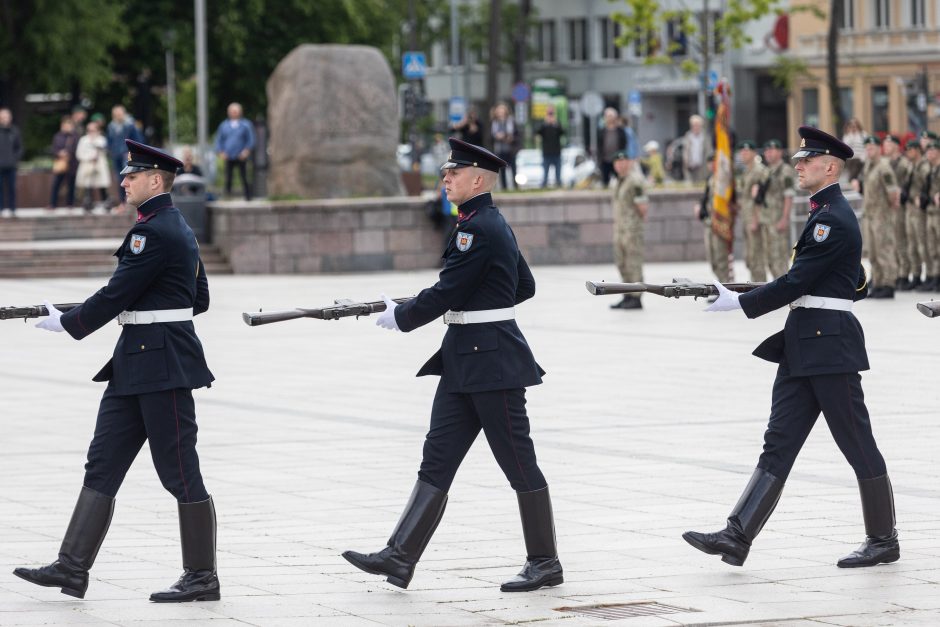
[
  {"x": 142, "y": 347},
  {"x": 818, "y": 332}
]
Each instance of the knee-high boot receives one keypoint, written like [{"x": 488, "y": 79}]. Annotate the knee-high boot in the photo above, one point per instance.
[
  {"x": 86, "y": 531},
  {"x": 542, "y": 567},
  {"x": 397, "y": 561},
  {"x": 881, "y": 541},
  {"x": 199, "y": 581},
  {"x": 745, "y": 521}
]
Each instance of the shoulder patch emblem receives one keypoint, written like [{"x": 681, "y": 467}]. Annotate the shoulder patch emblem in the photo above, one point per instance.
[
  {"x": 464, "y": 240},
  {"x": 138, "y": 242},
  {"x": 821, "y": 233}
]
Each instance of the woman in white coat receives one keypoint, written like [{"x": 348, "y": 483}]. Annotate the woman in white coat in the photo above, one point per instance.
[{"x": 94, "y": 171}]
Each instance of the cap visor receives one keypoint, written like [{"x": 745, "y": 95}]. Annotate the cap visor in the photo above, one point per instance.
[
  {"x": 128, "y": 169},
  {"x": 805, "y": 153}
]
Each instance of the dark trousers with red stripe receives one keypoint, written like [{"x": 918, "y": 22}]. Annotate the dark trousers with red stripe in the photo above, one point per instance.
[
  {"x": 457, "y": 419},
  {"x": 168, "y": 420},
  {"x": 797, "y": 403}
]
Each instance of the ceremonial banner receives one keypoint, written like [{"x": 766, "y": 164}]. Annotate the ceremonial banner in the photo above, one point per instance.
[{"x": 723, "y": 175}]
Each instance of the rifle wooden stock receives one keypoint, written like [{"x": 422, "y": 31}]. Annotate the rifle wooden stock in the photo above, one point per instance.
[
  {"x": 931, "y": 309},
  {"x": 342, "y": 308},
  {"x": 679, "y": 287},
  {"x": 32, "y": 311}
]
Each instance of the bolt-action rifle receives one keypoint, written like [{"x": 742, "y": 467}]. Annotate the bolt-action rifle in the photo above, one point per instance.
[
  {"x": 678, "y": 287},
  {"x": 342, "y": 308},
  {"x": 32, "y": 311}
]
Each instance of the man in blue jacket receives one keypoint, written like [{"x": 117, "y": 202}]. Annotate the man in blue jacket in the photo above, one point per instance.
[
  {"x": 485, "y": 365},
  {"x": 157, "y": 288},
  {"x": 820, "y": 353},
  {"x": 234, "y": 142}
]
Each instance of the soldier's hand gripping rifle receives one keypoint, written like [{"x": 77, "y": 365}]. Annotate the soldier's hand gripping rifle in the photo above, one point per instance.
[
  {"x": 342, "y": 308},
  {"x": 32, "y": 311},
  {"x": 678, "y": 287},
  {"x": 931, "y": 309}
]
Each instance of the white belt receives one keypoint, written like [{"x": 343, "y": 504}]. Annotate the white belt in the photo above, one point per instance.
[
  {"x": 819, "y": 302},
  {"x": 476, "y": 317},
  {"x": 157, "y": 315}
]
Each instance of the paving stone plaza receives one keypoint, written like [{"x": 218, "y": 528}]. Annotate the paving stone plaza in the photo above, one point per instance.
[{"x": 649, "y": 424}]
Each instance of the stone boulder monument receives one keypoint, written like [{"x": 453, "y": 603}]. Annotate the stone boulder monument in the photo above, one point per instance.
[{"x": 333, "y": 121}]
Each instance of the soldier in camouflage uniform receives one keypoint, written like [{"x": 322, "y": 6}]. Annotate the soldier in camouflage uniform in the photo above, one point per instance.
[
  {"x": 915, "y": 219},
  {"x": 930, "y": 199},
  {"x": 903, "y": 171},
  {"x": 774, "y": 217},
  {"x": 881, "y": 197},
  {"x": 747, "y": 183},
  {"x": 715, "y": 247},
  {"x": 630, "y": 207}
]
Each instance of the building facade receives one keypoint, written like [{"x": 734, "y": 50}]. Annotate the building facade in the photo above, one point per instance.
[{"x": 888, "y": 71}]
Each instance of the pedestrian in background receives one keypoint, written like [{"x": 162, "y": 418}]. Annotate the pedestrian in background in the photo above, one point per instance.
[
  {"x": 64, "y": 163},
  {"x": 468, "y": 128},
  {"x": 652, "y": 163},
  {"x": 695, "y": 146},
  {"x": 234, "y": 141},
  {"x": 189, "y": 164},
  {"x": 853, "y": 135},
  {"x": 120, "y": 129},
  {"x": 94, "y": 173},
  {"x": 551, "y": 133},
  {"x": 631, "y": 206},
  {"x": 503, "y": 129},
  {"x": 11, "y": 151},
  {"x": 611, "y": 139}
]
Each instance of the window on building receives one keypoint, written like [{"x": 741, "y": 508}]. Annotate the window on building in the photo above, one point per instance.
[
  {"x": 646, "y": 45},
  {"x": 847, "y": 19},
  {"x": 609, "y": 31},
  {"x": 879, "y": 109},
  {"x": 918, "y": 14},
  {"x": 881, "y": 14},
  {"x": 678, "y": 43},
  {"x": 544, "y": 41},
  {"x": 847, "y": 103},
  {"x": 577, "y": 39},
  {"x": 811, "y": 107}
]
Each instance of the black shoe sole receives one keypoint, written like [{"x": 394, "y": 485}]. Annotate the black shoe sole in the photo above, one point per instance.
[
  {"x": 203, "y": 596},
  {"x": 395, "y": 581},
  {"x": 554, "y": 581},
  {"x": 886, "y": 560},
  {"x": 704, "y": 548}
]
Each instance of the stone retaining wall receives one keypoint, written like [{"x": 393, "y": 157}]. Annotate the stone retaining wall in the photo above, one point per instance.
[{"x": 351, "y": 235}]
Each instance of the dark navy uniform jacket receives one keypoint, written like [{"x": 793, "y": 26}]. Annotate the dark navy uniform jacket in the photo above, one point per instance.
[
  {"x": 165, "y": 272},
  {"x": 483, "y": 269},
  {"x": 827, "y": 262}
]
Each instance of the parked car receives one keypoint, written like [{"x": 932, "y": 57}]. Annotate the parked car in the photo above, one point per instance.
[
  {"x": 576, "y": 166},
  {"x": 429, "y": 164}
]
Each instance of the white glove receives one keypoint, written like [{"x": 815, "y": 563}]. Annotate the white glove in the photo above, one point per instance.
[
  {"x": 52, "y": 323},
  {"x": 727, "y": 300},
  {"x": 387, "y": 318}
]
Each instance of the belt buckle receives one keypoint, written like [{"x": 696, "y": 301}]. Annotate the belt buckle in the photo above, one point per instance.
[
  {"x": 125, "y": 317},
  {"x": 454, "y": 317}
]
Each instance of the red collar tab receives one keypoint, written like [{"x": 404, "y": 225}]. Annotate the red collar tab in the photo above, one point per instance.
[
  {"x": 813, "y": 206},
  {"x": 463, "y": 217}
]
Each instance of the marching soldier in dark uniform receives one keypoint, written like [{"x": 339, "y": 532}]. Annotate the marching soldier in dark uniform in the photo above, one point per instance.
[
  {"x": 157, "y": 288},
  {"x": 485, "y": 365},
  {"x": 820, "y": 353}
]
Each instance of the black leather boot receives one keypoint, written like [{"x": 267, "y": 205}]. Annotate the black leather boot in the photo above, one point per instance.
[
  {"x": 397, "y": 561},
  {"x": 929, "y": 285},
  {"x": 744, "y": 523},
  {"x": 916, "y": 282},
  {"x": 542, "y": 567},
  {"x": 904, "y": 284},
  {"x": 87, "y": 529},
  {"x": 881, "y": 541},
  {"x": 199, "y": 581}
]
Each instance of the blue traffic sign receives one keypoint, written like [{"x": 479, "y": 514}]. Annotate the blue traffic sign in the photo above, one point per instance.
[
  {"x": 413, "y": 65},
  {"x": 521, "y": 92},
  {"x": 712, "y": 79},
  {"x": 457, "y": 109},
  {"x": 634, "y": 97}
]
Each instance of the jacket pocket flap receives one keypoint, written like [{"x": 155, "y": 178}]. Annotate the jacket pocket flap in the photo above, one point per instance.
[
  {"x": 144, "y": 338},
  {"x": 829, "y": 325},
  {"x": 477, "y": 343}
]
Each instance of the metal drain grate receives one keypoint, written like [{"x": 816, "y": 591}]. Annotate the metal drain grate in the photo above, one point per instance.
[{"x": 617, "y": 611}]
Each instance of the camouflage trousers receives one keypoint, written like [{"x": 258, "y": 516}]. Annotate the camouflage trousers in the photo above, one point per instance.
[
  {"x": 904, "y": 259},
  {"x": 718, "y": 255},
  {"x": 916, "y": 231},
  {"x": 879, "y": 232},
  {"x": 933, "y": 241},
  {"x": 771, "y": 252},
  {"x": 628, "y": 250}
]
